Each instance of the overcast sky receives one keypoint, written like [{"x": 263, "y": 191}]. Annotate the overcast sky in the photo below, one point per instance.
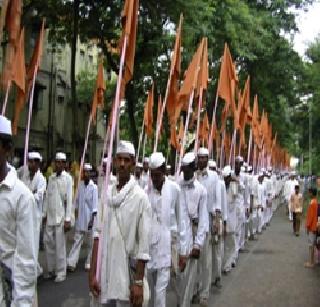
[{"x": 309, "y": 25}]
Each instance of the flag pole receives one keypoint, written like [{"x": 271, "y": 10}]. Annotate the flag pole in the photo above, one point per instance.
[
  {"x": 213, "y": 121},
  {"x": 144, "y": 146},
  {"x": 249, "y": 146},
  {"x": 232, "y": 145},
  {"x": 196, "y": 143},
  {"x": 221, "y": 147},
  {"x": 26, "y": 145},
  {"x": 185, "y": 133},
  {"x": 105, "y": 146},
  {"x": 140, "y": 140},
  {"x": 5, "y": 102},
  {"x": 110, "y": 149}
]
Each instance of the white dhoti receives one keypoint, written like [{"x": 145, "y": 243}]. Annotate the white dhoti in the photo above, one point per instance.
[
  {"x": 217, "y": 256},
  {"x": 187, "y": 281},
  {"x": 158, "y": 282},
  {"x": 260, "y": 220},
  {"x": 205, "y": 268},
  {"x": 79, "y": 238},
  {"x": 229, "y": 251},
  {"x": 55, "y": 246}
]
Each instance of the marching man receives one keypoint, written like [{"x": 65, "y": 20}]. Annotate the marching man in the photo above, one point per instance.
[
  {"x": 144, "y": 179},
  {"x": 209, "y": 179},
  {"x": 86, "y": 208},
  {"x": 164, "y": 197},
  {"x": 19, "y": 232},
  {"x": 193, "y": 225},
  {"x": 125, "y": 234},
  {"x": 57, "y": 218}
]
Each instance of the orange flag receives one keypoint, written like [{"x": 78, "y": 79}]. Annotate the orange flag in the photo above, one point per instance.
[
  {"x": 228, "y": 79},
  {"x": 227, "y": 144},
  {"x": 191, "y": 78},
  {"x": 204, "y": 129},
  {"x": 148, "y": 112},
  {"x": 159, "y": 112},
  {"x": 98, "y": 96},
  {"x": 12, "y": 25},
  {"x": 19, "y": 65},
  {"x": 30, "y": 72},
  {"x": 175, "y": 70},
  {"x": 204, "y": 71},
  {"x": 4, "y": 9},
  {"x": 129, "y": 17}
]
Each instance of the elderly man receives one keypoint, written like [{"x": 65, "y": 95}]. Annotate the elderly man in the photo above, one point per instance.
[
  {"x": 57, "y": 218},
  {"x": 209, "y": 179},
  {"x": 230, "y": 237},
  {"x": 124, "y": 236},
  {"x": 164, "y": 197},
  {"x": 193, "y": 225},
  {"x": 19, "y": 231},
  {"x": 86, "y": 206}
]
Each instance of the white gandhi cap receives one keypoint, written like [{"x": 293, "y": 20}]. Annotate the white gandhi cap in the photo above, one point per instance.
[
  {"x": 125, "y": 147},
  {"x": 226, "y": 171},
  {"x": 188, "y": 158},
  {"x": 61, "y": 156},
  {"x": 33, "y": 155},
  {"x": 87, "y": 167},
  {"x": 156, "y": 160},
  {"x": 202, "y": 151},
  {"x": 146, "y": 160},
  {"x": 5, "y": 126},
  {"x": 212, "y": 163}
]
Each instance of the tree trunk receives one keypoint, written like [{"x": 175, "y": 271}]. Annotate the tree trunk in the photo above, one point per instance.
[{"x": 74, "y": 102}]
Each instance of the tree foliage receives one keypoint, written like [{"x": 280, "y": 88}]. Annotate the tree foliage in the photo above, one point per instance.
[{"x": 254, "y": 31}]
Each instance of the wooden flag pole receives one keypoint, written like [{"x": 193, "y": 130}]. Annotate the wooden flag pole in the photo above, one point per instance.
[
  {"x": 26, "y": 144},
  {"x": 144, "y": 146},
  {"x": 140, "y": 140},
  {"x": 5, "y": 102},
  {"x": 196, "y": 143},
  {"x": 110, "y": 150},
  {"x": 232, "y": 146},
  {"x": 162, "y": 112},
  {"x": 185, "y": 133},
  {"x": 249, "y": 146},
  {"x": 213, "y": 121}
]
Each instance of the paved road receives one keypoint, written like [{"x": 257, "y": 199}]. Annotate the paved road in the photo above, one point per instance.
[{"x": 271, "y": 274}]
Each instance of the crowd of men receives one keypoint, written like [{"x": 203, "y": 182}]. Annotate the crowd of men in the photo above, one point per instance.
[{"x": 149, "y": 227}]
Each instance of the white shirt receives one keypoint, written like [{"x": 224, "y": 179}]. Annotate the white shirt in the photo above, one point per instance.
[
  {"x": 162, "y": 223},
  {"x": 19, "y": 238},
  {"x": 37, "y": 185},
  {"x": 144, "y": 179},
  {"x": 58, "y": 201},
  {"x": 126, "y": 233},
  {"x": 223, "y": 200},
  {"x": 232, "y": 193},
  {"x": 193, "y": 206},
  {"x": 86, "y": 204}
]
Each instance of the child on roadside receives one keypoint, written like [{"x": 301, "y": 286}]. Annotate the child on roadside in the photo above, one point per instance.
[{"x": 311, "y": 225}]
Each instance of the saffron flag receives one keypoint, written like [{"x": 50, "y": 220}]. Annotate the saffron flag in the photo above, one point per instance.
[
  {"x": 98, "y": 96},
  {"x": 31, "y": 71},
  {"x": 159, "y": 123},
  {"x": 148, "y": 112}
]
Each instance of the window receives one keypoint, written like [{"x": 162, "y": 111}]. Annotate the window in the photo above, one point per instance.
[
  {"x": 60, "y": 99},
  {"x": 38, "y": 97}
]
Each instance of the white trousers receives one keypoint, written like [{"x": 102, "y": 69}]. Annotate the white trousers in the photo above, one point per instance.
[
  {"x": 205, "y": 268},
  {"x": 187, "y": 281},
  {"x": 290, "y": 213},
  {"x": 158, "y": 282},
  {"x": 55, "y": 246},
  {"x": 229, "y": 251},
  {"x": 217, "y": 256},
  {"x": 260, "y": 220},
  {"x": 79, "y": 238}
]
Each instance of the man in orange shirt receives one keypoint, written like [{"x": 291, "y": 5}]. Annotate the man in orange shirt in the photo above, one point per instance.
[{"x": 311, "y": 225}]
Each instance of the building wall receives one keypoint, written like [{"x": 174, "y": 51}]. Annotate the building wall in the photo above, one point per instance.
[{"x": 51, "y": 128}]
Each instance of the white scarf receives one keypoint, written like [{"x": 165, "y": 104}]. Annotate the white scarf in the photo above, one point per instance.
[{"x": 118, "y": 197}]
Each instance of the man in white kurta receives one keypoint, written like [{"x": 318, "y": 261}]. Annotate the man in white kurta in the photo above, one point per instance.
[
  {"x": 124, "y": 234},
  {"x": 86, "y": 206},
  {"x": 230, "y": 237},
  {"x": 37, "y": 184},
  {"x": 18, "y": 231},
  {"x": 57, "y": 218},
  {"x": 209, "y": 179},
  {"x": 163, "y": 195},
  {"x": 193, "y": 227},
  {"x": 261, "y": 202}
]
